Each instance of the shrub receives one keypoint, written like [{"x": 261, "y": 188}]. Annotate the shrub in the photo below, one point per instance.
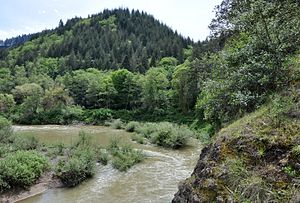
[
  {"x": 126, "y": 157},
  {"x": 113, "y": 146},
  {"x": 117, "y": 124},
  {"x": 79, "y": 167},
  {"x": 4, "y": 149},
  {"x": 84, "y": 140},
  {"x": 55, "y": 150},
  {"x": 72, "y": 114},
  {"x": 170, "y": 135},
  {"x": 5, "y": 129},
  {"x": 103, "y": 157},
  {"x": 138, "y": 138},
  {"x": 131, "y": 126},
  {"x": 99, "y": 115},
  {"x": 21, "y": 169},
  {"x": 146, "y": 129}
]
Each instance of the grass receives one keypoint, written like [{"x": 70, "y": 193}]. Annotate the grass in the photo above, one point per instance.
[{"x": 246, "y": 184}]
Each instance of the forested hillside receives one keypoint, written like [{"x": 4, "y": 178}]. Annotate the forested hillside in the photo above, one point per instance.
[
  {"x": 112, "y": 39},
  {"x": 103, "y": 61}
]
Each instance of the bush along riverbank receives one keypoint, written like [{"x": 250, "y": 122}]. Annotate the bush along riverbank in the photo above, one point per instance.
[
  {"x": 163, "y": 134},
  {"x": 24, "y": 161}
]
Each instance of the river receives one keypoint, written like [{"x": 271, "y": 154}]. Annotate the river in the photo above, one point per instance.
[{"x": 154, "y": 180}]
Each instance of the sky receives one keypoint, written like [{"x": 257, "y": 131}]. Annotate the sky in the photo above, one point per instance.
[{"x": 189, "y": 17}]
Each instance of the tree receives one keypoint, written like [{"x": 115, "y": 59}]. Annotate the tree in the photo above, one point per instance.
[
  {"x": 185, "y": 87},
  {"x": 7, "y": 103},
  {"x": 6, "y": 80},
  {"x": 155, "y": 89},
  {"x": 29, "y": 96},
  {"x": 22, "y": 92},
  {"x": 127, "y": 88}
]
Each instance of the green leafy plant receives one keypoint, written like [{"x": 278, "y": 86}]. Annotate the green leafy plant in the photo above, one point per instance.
[{"x": 22, "y": 168}]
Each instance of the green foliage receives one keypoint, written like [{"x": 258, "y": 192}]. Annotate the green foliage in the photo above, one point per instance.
[
  {"x": 7, "y": 104},
  {"x": 168, "y": 62},
  {"x": 25, "y": 142},
  {"x": 73, "y": 114},
  {"x": 131, "y": 126},
  {"x": 165, "y": 134},
  {"x": 185, "y": 87},
  {"x": 123, "y": 157},
  {"x": 204, "y": 133},
  {"x": 146, "y": 129},
  {"x": 103, "y": 157},
  {"x": 21, "y": 169},
  {"x": 170, "y": 135},
  {"x": 6, "y": 80},
  {"x": 126, "y": 157},
  {"x": 5, "y": 129},
  {"x": 80, "y": 166},
  {"x": 137, "y": 138},
  {"x": 98, "y": 115},
  {"x": 127, "y": 87},
  {"x": 84, "y": 140},
  {"x": 116, "y": 124},
  {"x": 109, "y": 22},
  {"x": 4, "y": 149},
  {"x": 29, "y": 96},
  {"x": 155, "y": 89}
]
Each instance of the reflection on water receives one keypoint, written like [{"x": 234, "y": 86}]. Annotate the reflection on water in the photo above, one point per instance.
[{"x": 153, "y": 180}]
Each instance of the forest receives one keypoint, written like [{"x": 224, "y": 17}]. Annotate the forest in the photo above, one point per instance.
[{"x": 126, "y": 65}]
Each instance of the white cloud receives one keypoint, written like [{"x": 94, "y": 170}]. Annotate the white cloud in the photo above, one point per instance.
[
  {"x": 5, "y": 34},
  {"x": 55, "y": 11}
]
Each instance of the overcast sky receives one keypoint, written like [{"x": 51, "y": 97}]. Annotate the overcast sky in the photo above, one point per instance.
[{"x": 189, "y": 17}]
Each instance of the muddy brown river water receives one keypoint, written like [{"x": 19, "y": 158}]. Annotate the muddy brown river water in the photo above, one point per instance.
[{"x": 154, "y": 180}]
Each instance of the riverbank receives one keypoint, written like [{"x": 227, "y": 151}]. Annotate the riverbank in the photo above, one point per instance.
[{"x": 45, "y": 182}]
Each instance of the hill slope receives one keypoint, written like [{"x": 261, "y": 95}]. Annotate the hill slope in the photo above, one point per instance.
[
  {"x": 255, "y": 159},
  {"x": 112, "y": 39}
]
